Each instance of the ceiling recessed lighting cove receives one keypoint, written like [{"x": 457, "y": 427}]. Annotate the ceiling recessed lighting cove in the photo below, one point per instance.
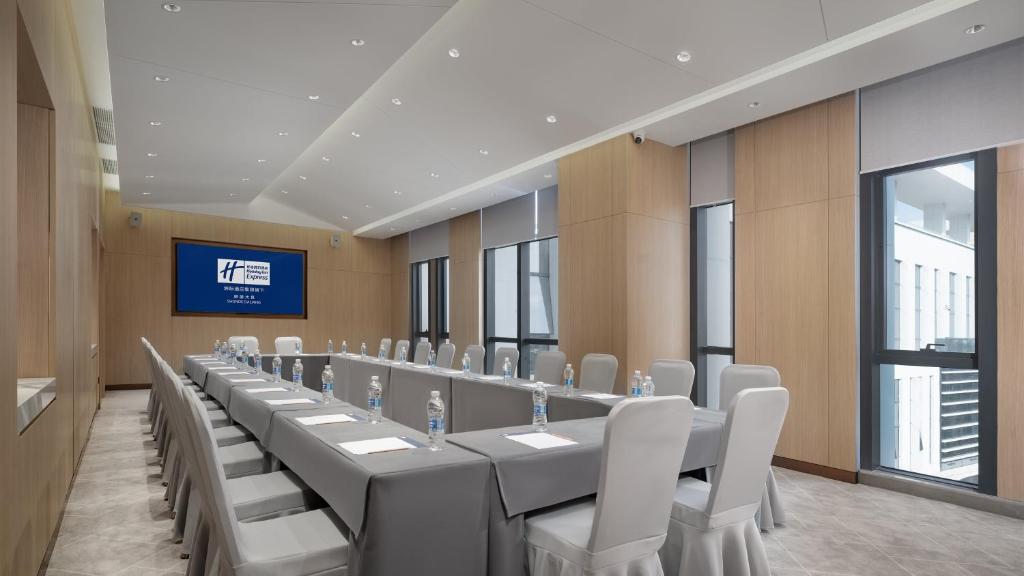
[
  {"x": 974, "y": 29},
  {"x": 357, "y": 42},
  {"x": 754, "y": 104},
  {"x": 684, "y": 57},
  {"x": 396, "y": 101},
  {"x": 161, "y": 78},
  {"x": 172, "y": 7},
  {"x": 313, "y": 97},
  {"x": 551, "y": 118},
  {"x": 454, "y": 52}
]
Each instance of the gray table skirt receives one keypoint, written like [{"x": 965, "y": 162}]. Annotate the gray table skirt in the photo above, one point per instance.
[
  {"x": 410, "y": 389},
  {"x": 355, "y": 374}
]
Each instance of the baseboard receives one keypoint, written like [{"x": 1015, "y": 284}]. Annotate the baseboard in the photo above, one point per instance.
[
  {"x": 139, "y": 386},
  {"x": 815, "y": 469},
  {"x": 943, "y": 493}
]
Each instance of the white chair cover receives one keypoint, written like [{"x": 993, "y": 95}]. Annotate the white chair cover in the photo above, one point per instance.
[
  {"x": 619, "y": 533},
  {"x": 598, "y": 371},
  {"x": 499, "y": 360},
  {"x": 712, "y": 531},
  {"x": 251, "y": 342},
  {"x": 737, "y": 377},
  {"x": 399, "y": 346},
  {"x": 422, "y": 352},
  {"x": 671, "y": 377},
  {"x": 445, "y": 355},
  {"x": 476, "y": 358},
  {"x": 548, "y": 366},
  {"x": 385, "y": 345},
  {"x": 288, "y": 344}
]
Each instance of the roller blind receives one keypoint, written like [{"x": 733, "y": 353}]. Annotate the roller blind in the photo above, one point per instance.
[
  {"x": 527, "y": 217},
  {"x": 428, "y": 242},
  {"x": 967, "y": 104},
  {"x": 712, "y": 170}
]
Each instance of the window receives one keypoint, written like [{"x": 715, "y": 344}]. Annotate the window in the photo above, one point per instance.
[
  {"x": 929, "y": 402},
  {"x": 521, "y": 300},
  {"x": 420, "y": 293},
  {"x": 443, "y": 300},
  {"x": 430, "y": 315},
  {"x": 712, "y": 298}
]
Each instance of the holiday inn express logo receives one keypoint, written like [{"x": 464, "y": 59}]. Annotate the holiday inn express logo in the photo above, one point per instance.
[{"x": 246, "y": 272}]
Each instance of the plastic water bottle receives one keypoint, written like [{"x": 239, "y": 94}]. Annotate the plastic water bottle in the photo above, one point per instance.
[
  {"x": 403, "y": 353},
  {"x": 466, "y": 363},
  {"x": 567, "y": 379},
  {"x": 216, "y": 348},
  {"x": 243, "y": 358},
  {"x": 506, "y": 369},
  {"x": 435, "y": 420},
  {"x": 257, "y": 362},
  {"x": 232, "y": 353},
  {"x": 298, "y": 347},
  {"x": 344, "y": 346},
  {"x": 540, "y": 408},
  {"x": 330, "y": 346},
  {"x": 380, "y": 354},
  {"x": 432, "y": 360},
  {"x": 648, "y": 387},
  {"x": 362, "y": 350},
  {"x": 224, "y": 350},
  {"x": 374, "y": 395},
  {"x": 277, "y": 368},
  {"x": 636, "y": 385},
  {"x": 297, "y": 374},
  {"x": 328, "y": 379}
]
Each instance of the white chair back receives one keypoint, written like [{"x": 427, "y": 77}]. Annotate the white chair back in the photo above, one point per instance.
[
  {"x": 476, "y": 358},
  {"x": 671, "y": 377},
  {"x": 251, "y": 342},
  {"x": 751, "y": 431},
  {"x": 598, "y": 371},
  {"x": 737, "y": 377},
  {"x": 288, "y": 344},
  {"x": 499, "y": 360},
  {"x": 548, "y": 366},
  {"x": 385, "y": 345},
  {"x": 644, "y": 443},
  {"x": 445, "y": 355},
  {"x": 399, "y": 346},
  {"x": 422, "y": 352}
]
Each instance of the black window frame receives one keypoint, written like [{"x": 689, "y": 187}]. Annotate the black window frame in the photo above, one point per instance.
[
  {"x": 873, "y": 350},
  {"x": 699, "y": 349}
]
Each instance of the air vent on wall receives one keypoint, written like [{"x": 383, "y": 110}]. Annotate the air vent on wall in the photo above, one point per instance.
[
  {"x": 104, "y": 120},
  {"x": 109, "y": 166}
]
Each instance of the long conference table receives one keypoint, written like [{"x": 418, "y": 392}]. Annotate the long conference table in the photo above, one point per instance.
[{"x": 457, "y": 511}]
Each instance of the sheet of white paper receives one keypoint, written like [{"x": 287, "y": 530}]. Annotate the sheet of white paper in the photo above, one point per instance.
[
  {"x": 600, "y": 395},
  {"x": 247, "y": 380},
  {"x": 492, "y": 378},
  {"x": 260, "y": 390},
  {"x": 235, "y": 373},
  {"x": 326, "y": 419},
  {"x": 223, "y": 368},
  {"x": 541, "y": 440},
  {"x": 544, "y": 384},
  {"x": 287, "y": 401},
  {"x": 211, "y": 362},
  {"x": 389, "y": 444}
]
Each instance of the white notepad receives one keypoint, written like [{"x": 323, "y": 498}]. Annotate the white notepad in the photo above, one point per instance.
[
  {"x": 326, "y": 419},
  {"x": 288, "y": 401},
  {"x": 248, "y": 380},
  {"x": 210, "y": 362},
  {"x": 235, "y": 373},
  {"x": 538, "y": 383},
  {"x": 541, "y": 440},
  {"x": 390, "y": 444},
  {"x": 491, "y": 378},
  {"x": 600, "y": 395},
  {"x": 260, "y": 390},
  {"x": 223, "y": 368}
]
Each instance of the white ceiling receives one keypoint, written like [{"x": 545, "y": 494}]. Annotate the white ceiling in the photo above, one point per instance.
[{"x": 241, "y": 72}]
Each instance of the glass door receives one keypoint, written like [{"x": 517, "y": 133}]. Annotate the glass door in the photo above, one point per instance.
[
  {"x": 928, "y": 361},
  {"x": 712, "y": 293}
]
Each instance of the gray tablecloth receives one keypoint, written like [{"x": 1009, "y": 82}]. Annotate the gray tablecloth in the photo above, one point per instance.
[
  {"x": 312, "y": 368},
  {"x": 219, "y": 385},
  {"x": 525, "y": 479},
  {"x": 410, "y": 512},
  {"x": 197, "y": 366},
  {"x": 252, "y": 411},
  {"x": 357, "y": 374},
  {"x": 410, "y": 390}
]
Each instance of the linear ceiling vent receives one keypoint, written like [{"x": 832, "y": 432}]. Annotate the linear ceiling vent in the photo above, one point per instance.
[
  {"x": 104, "y": 125},
  {"x": 109, "y": 166}
]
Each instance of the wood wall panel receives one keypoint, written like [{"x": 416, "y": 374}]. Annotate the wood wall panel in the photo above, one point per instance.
[
  {"x": 745, "y": 303},
  {"x": 35, "y": 347},
  {"x": 657, "y": 175},
  {"x": 1010, "y": 323},
  {"x": 400, "y": 300},
  {"x": 791, "y": 157},
  {"x": 592, "y": 183},
  {"x": 843, "y": 375},
  {"x": 465, "y": 259},
  {"x": 842, "y": 146},
  {"x": 9, "y": 272},
  {"x": 743, "y": 159}
]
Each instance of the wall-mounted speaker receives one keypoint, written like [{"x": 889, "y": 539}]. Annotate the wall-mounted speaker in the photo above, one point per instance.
[
  {"x": 135, "y": 219},
  {"x": 335, "y": 240}
]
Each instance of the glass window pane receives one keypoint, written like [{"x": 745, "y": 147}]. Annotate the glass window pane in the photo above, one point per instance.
[
  {"x": 718, "y": 284},
  {"x": 930, "y": 241},
  {"x": 424, "y": 296},
  {"x": 542, "y": 257},
  {"x": 447, "y": 297},
  {"x": 928, "y": 421},
  {"x": 504, "y": 292}
]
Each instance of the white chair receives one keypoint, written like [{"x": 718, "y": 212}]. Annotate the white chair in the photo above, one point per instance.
[
  {"x": 399, "y": 346},
  {"x": 251, "y": 342},
  {"x": 620, "y": 532},
  {"x": 712, "y": 530},
  {"x": 548, "y": 366},
  {"x": 422, "y": 352},
  {"x": 671, "y": 377},
  {"x": 445, "y": 355},
  {"x": 737, "y": 377},
  {"x": 385, "y": 347},
  {"x": 598, "y": 371},
  {"x": 303, "y": 544},
  {"x": 476, "y": 358},
  {"x": 499, "y": 360},
  {"x": 288, "y": 345}
]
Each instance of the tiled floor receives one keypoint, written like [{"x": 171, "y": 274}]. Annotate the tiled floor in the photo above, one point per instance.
[{"x": 117, "y": 522}]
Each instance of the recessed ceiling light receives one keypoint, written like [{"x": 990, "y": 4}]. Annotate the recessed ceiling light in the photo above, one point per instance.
[
  {"x": 366, "y": 205},
  {"x": 161, "y": 78},
  {"x": 245, "y": 179},
  {"x": 155, "y": 123},
  {"x": 754, "y": 104},
  {"x": 151, "y": 154},
  {"x": 357, "y": 42},
  {"x": 285, "y": 192},
  {"x": 325, "y": 158},
  {"x": 684, "y": 56},
  {"x": 282, "y": 133},
  {"x": 484, "y": 151},
  {"x": 454, "y": 52},
  {"x": 547, "y": 175},
  {"x": 356, "y": 134},
  {"x": 551, "y": 119},
  {"x": 396, "y": 101},
  {"x": 261, "y": 160},
  {"x": 313, "y": 97},
  {"x": 435, "y": 175},
  {"x": 171, "y": 7},
  {"x": 974, "y": 29},
  {"x": 233, "y": 194},
  {"x": 397, "y": 193},
  {"x": 150, "y": 177},
  {"x": 344, "y": 217},
  {"x": 146, "y": 193},
  {"x": 452, "y": 208},
  {"x": 303, "y": 178}
]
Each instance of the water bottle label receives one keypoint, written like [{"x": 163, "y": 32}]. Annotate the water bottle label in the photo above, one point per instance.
[
  {"x": 374, "y": 403},
  {"x": 436, "y": 424},
  {"x": 540, "y": 409}
]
